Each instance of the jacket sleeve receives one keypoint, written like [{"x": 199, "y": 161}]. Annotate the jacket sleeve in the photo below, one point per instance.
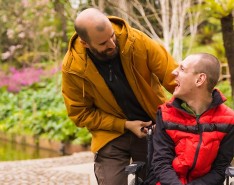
[
  {"x": 161, "y": 63},
  {"x": 216, "y": 176},
  {"x": 161, "y": 167},
  {"x": 82, "y": 110}
]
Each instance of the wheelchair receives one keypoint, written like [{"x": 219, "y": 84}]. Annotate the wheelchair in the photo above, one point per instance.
[
  {"x": 229, "y": 174},
  {"x": 135, "y": 167}
]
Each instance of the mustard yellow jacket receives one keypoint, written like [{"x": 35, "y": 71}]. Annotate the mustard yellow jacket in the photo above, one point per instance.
[{"x": 89, "y": 101}]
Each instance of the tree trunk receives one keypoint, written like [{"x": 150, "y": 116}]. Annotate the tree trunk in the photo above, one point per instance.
[
  {"x": 228, "y": 40},
  {"x": 59, "y": 8}
]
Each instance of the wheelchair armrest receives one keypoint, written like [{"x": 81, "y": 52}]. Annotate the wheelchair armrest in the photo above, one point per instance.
[
  {"x": 230, "y": 171},
  {"x": 134, "y": 167}
]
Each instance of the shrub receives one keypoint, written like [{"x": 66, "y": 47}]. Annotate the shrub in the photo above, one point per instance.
[{"x": 39, "y": 110}]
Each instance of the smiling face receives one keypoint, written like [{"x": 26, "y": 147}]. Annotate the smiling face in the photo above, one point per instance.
[
  {"x": 102, "y": 41},
  {"x": 186, "y": 78},
  {"x": 96, "y": 33}
]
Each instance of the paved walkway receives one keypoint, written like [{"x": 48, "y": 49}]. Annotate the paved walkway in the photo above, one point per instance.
[{"x": 76, "y": 169}]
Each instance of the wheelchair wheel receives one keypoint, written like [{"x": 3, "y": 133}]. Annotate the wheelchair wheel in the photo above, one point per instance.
[{"x": 139, "y": 181}]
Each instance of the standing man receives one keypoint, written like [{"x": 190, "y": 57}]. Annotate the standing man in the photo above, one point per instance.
[
  {"x": 194, "y": 139},
  {"x": 112, "y": 78}
]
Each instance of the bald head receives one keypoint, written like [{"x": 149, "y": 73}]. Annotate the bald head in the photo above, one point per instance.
[
  {"x": 90, "y": 19},
  {"x": 210, "y": 65}
]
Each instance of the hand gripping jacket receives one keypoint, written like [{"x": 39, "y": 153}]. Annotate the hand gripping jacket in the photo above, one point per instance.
[{"x": 191, "y": 149}]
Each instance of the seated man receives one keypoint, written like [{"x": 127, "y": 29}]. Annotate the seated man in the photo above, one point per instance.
[{"x": 194, "y": 138}]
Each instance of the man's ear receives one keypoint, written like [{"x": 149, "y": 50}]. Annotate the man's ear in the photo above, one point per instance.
[
  {"x": 201, "y": 79},
  {"x": 85, "y": 44}
]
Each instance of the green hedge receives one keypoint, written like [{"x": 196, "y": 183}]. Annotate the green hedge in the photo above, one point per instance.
[{"x": 39, "y": 110}]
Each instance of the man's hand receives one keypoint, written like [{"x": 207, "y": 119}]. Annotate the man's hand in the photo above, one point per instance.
[{"x": 139, "y": 128}]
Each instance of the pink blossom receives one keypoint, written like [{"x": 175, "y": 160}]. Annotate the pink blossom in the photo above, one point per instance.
[{"x": 17, "y": 78}]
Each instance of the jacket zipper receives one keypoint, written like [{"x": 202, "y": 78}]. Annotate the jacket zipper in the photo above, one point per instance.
[
  {"x": 110, "y": 73},
  {"x": 197, "y": 150}
]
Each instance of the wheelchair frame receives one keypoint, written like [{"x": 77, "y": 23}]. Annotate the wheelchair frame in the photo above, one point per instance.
[{"x": 229, "y": 173}]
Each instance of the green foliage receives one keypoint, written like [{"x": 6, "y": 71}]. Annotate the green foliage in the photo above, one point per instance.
[
  {"x": 220, "y": 8},
  {"x": 215, "y": 47},
  {"x": 207, "y": 29},
  {"x": 36, "y": 32},
  {"x": 40, "y": 110},
  {"x": 83, "y": 137},
  {"x": 225, "y": 88}
]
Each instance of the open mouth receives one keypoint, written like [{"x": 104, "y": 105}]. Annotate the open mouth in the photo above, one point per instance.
[
  {"x": 178, "y": 83},
  {"x": 111, "y": 52}
]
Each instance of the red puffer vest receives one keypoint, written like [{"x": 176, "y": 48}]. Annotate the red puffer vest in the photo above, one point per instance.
[{"x": 196, "y": 139}]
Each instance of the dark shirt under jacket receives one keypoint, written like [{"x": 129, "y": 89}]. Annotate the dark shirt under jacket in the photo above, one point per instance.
[{"x": 114, "y": 76}]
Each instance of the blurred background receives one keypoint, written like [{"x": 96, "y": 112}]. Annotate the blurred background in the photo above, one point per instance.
[{"x": 34, "y": 36}]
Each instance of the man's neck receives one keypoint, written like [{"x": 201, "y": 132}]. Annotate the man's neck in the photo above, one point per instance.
[{"x": 200, "y": 105}]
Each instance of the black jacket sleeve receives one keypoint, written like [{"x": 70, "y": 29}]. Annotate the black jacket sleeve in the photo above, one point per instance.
[
  {"x": 216, "y": 176},
  {"x": 163, "y": 154}
]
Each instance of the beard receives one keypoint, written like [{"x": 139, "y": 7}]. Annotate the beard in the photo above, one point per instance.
[{"x": 107, "y": 54}]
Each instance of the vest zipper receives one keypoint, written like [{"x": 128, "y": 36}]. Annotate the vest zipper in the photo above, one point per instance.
[{"x": 197, "y": 150}]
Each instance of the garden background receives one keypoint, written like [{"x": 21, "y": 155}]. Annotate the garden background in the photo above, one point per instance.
[{"x": 34, "y": 37}]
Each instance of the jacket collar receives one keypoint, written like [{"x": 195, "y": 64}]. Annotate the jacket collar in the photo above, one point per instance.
[
  {"x": 123, "y": 32},
  {"x": 218, "y": 99}
]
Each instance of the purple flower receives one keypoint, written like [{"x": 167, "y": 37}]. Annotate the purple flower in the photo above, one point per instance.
[{"x": 16, "y": 78}]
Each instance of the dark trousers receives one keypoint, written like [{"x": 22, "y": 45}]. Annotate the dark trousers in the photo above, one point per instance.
[{"x": 111, "y": 160}]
